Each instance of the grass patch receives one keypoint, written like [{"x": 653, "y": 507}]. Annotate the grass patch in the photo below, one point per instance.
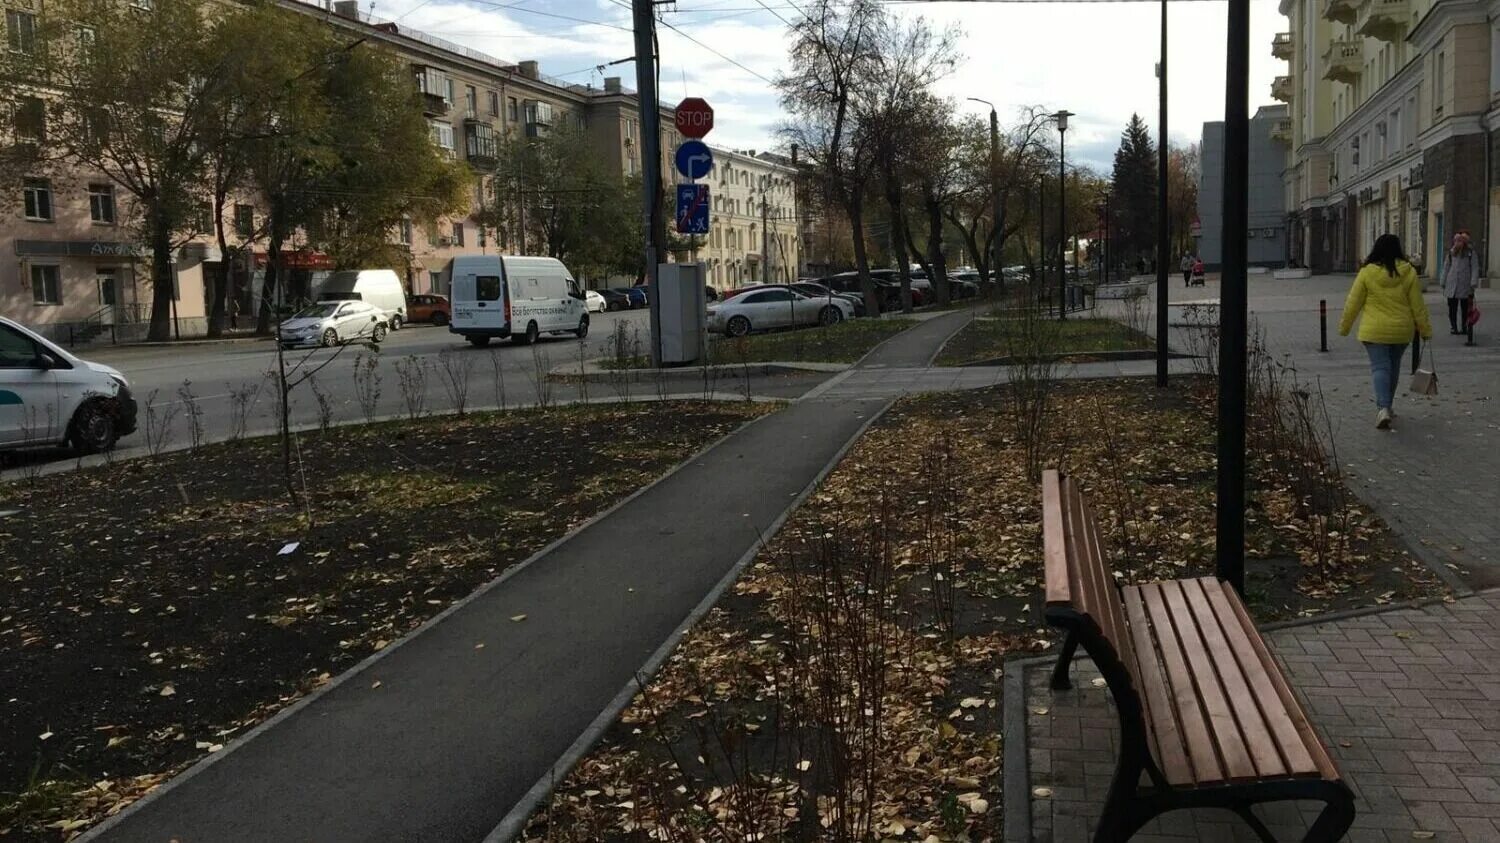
[
  {"x": 845, "y": 342},
  {"x": 987, "y": 339}
]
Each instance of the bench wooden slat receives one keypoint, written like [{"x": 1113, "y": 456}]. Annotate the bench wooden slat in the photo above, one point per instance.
[
  {"x": 1058, "y": 586},
  {"x": 1114, "y": 606},
  {"x": 1161, "y": 717},
  {"x": 1200, "y": 747},
  {"x": 1258, "y": 739},
  {"x": 1090, "y": 570},
  {"x": 1310, "y": 740},
  {"x": 1225, "y": 729},
  {"x": 1279, "y": 720}
]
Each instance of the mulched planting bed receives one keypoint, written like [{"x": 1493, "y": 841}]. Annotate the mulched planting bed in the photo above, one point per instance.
[
  {"x": 992, "y": 340},
  {"x": 848, "y": 686},
  {"x": 147, "y": 619},
  {"x": 845, "y": 342}
]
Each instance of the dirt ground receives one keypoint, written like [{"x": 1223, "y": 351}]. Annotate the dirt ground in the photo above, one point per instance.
[
  {"x": 849, "y": 686},
  {"x": 152, "y": 610}
]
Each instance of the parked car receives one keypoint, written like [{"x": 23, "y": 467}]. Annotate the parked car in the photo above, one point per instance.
[
  {"x": 709, "y": 293},
  {"x": 328, "y": 323},
  {"x": 50, "y": 397},
  {"x": 814, "y": 290},
  {"x": 614, "y": 299},
  {"x": 645, "y": 292},
  {"x": 774, "y": 307},
  {"x": 378, "y": 287},
  {"x": 521, "y": 298},
  {"x": 887, "y": 289},
  {"x": 429, "y": 308},
  {"x": 635, "y": 295},
  {"x": 593, "y": 302}
]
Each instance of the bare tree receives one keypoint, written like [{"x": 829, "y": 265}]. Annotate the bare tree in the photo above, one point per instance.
[{"x": 455, "y": 367}]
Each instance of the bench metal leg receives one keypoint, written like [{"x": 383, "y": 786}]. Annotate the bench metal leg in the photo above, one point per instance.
[
  {"x": 1334, "y": 822},
  {"x": 1255, "y": 824},
  {"x": 1060, "y": 680}
]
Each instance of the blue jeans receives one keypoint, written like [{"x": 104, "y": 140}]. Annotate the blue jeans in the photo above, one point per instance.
[{"x": 1385, "y": 370}]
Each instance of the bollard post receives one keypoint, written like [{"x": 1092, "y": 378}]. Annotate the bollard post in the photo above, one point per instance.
[{"x": 1322, "y": 324}]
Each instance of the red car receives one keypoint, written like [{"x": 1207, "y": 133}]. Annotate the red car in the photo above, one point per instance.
[{"x": 428, "y": 308}]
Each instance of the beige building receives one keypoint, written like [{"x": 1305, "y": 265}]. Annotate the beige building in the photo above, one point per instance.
[
  {"x": 753, "y": 236},
  {"x": 78, "y": 270},
  {"x": 1392, "y": 127}
]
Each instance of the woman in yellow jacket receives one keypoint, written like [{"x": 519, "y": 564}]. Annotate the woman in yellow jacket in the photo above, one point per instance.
[{"x": 1388, "y": 294}]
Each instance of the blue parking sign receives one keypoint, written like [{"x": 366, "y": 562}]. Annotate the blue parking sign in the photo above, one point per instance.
[{"x": 692, "y": 209}]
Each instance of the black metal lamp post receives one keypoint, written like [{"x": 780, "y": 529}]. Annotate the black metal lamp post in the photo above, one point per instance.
[
  {"x": 1062, "y": 212},
  {"x": 995, "y": 222}
]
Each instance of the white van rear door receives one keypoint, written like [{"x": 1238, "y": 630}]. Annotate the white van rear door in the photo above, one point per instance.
[{"x": 478, "y": 302}]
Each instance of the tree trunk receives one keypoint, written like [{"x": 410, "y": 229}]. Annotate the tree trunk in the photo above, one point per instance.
[
  {"x": 939, "y": 274},
  {"x": 999, "y": 251},
  {"x": 898, "y": 237},
  {"x": 221, "y": 278},
  {"x": 856, "y": 209},
  {"x": 160, "y": 236},
  {"x": 276, "y": 237}
]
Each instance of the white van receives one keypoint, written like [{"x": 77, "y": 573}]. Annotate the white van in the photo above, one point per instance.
[
  {"x": 496, "y": 296},
  {"x": 380, "y": 287},
  {"x": 50, "y": 397}
]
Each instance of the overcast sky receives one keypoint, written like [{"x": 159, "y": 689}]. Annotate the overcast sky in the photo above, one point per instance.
[{"x": 1094, "y": 59}]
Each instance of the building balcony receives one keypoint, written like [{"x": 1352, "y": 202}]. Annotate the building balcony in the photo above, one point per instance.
[
  {"x": 433, "y": 105},
  {"x": 1387, "y": 20},
  {"x": 1282, "y": 46},
  {"x": 1343, "y": 61},
  {"x": 1281, "y": 131},
  {"x": 1281, "y": 89},
  {"x": 1342, "y": 11}
]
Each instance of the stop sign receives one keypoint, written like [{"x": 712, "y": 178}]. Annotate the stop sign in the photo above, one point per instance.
[{"x": 695, "y": 117}]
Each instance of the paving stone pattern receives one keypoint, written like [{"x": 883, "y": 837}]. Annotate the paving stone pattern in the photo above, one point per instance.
[{"x": 1407, "y": 700}]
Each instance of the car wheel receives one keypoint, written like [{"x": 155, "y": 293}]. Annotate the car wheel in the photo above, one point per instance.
[
  {"x": 439, "y": 318},
  {"x": 532, "y": 335},
  {"x": 583, "y": 327},
  {"x": 397, "y": 322},
  {"x": 738, "y": 326},
  {"x": 330, "y": 337},
  {"x": 830, "y": 316},
  {"x": 93, "y": 428},
  {"x": 378, "y": 335},
  {"x": 479, "y": 342}
]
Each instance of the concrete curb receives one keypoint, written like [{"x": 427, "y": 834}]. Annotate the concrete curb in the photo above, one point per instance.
[
  {"x": 374, "y": 658},
  {"x": 515, "y": 820},
  {"x": 594, "y": 373}
]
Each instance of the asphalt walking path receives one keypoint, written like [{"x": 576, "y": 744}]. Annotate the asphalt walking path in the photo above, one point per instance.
[{"x": 436, "y": 738}]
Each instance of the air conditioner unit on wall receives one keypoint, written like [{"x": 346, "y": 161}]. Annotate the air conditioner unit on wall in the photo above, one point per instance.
[{"x": 444, "y": 242}]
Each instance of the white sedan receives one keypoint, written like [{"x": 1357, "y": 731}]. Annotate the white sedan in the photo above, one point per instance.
[
  {"x": 776, "y": 307},
  {"x": 333, "y": 323},
  {"x": 593, "y": 302}
]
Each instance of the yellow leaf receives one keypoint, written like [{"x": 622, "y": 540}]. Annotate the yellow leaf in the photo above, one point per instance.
[
  {"x": 168, "y": 690},
  {"x": 517, "y": 618}
]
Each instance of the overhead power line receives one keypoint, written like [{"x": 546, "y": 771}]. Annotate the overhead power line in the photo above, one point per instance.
[{"x": 717, "y": 53}]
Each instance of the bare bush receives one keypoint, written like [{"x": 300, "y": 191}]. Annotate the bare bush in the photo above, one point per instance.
[
  {"x": 33, "y": 425},
  {"x": 367, "y": 385},
  {"x": 1031, "y": 370},
  {"x": 241, "y": 401},
  {"x": 411, "y": 379},
  {"x": 938, "y": 520},
  {"x": 158, "y": 423},
  {"x": 325, "y": 406},
  {"x": 193, "y": 412},
  {"x": 541, "y": 383},
  {"x": 455, "y": 367}
]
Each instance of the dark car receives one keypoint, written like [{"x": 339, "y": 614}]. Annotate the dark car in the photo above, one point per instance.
[
  {"x": 635, "y": 295},
  {"x": 615, "y": 300},
  {"x": 887, "y": 287},
  {"x": 812, "y": 289}
]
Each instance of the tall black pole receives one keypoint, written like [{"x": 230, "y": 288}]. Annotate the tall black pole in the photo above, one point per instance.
[
  {"x": 1041, "y": 235},
  {"x": 1163, "y": 224},
  {"x": 1107, "y": 246},
  {"x": 1062, "y": 222},
  {"x": 645, "y": 83},
  {"x": 998, "y": 220},
  {"x": 1233, "y": 301}
]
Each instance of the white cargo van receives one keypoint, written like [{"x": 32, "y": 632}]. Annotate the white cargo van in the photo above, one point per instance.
[
  {"x": 380, "y": 287},
  {"x": 496, "y": 296},
  {"x": 48, "y": 396}
]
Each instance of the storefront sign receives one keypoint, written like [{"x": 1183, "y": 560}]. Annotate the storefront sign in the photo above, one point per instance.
[
  {"x": 297, "y": 260},
  {"x": 78, "y": 249}
]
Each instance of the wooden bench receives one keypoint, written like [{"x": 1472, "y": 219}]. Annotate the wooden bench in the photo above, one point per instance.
[{"x": 1206, "y": 717}]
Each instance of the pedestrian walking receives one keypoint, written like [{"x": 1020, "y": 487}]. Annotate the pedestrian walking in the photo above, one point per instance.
[
  {"x": 234, "y": 313},
  {"x": 1458, "y": 282},
  {"x": 1387, "y": 299},
  {"x": 1187, "y": 269}
]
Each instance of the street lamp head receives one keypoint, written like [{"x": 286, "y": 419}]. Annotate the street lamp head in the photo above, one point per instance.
[
  {"x": 1062, "y": 120},
  {"x": 985, "y": 102}
]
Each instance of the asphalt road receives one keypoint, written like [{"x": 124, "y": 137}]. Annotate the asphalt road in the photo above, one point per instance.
[{"x": 215, "y": 372}]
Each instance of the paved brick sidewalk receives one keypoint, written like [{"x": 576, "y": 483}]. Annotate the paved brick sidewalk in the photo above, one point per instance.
[{"x": 1407, "y": 700}]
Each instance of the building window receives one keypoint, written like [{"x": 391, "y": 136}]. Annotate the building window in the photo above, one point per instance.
[
  {"x": 481, "y": 141},
  {"x": 435, "y": 282},
  {"x": 36, "y": 196},
  {"x": 513, "y": 109},
  {"x": 442, "y": 135},
  {"x": 458, "y": 235},
  {"x": 20, "y": 32},
  {"x": 46, "y": 285},
  {"x": 31, "y": 119},
  {"x": 1440, "y": 84},
  {"x": 539, "y": 112},
  {"x": 244, "y": 221},
  {"x": 403, "y": 232},
  {"x": 471, "y": 101},
  {"x": 494, "y": 104},
  {"x": 102, "y": 203}
]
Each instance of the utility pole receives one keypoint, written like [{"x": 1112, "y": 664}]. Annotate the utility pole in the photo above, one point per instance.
[
  {"x": 521, "y": 188},
  {"x": 765, "y": 248},
  {"x": 997, "y": 219},
  {"x": 1163, "y": 240},
  {"x": 645, "y": 83},
  {"x": 1229, "y": 539},
  {"x": 1041, "y": 234}
]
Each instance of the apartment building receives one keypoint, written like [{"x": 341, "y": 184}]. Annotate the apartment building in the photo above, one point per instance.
[
  {"x": 1392, "y": 127},
  {"x": 79, "y": 268},
  {"x": 1267, "y": 245},
  {"x": 753, "y": 235}
]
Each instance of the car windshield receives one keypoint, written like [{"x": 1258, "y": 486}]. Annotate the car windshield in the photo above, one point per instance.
[{"x": 318, "y": 311}]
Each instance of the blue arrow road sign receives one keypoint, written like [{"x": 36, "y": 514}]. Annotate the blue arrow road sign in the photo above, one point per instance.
[
  {"x": 692, "y": 209},
  {"x": 694, "y": 159}
]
